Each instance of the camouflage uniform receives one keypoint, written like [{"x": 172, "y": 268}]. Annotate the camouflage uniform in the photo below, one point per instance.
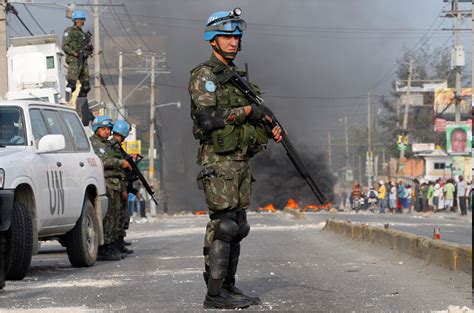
[
  {"x": 114, "y": 178},
  {"x": 73, "y": 40},
  {"x": 228, "y": 188},
  {"x": 123, "y": 219}
]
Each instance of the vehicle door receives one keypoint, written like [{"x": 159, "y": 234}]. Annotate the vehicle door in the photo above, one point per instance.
[
  {"x": 55, "y": 174},
  {"x": 82, "y": 164}
]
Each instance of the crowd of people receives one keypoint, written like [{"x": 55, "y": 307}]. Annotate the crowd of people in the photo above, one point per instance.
[{"x": 451, "y": 195}]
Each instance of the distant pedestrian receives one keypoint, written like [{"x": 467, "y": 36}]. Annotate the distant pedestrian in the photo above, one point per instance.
[
  {"x": 436, "y": 195},
  {"x": 430, "y": 196},
  {"x": 401, "y": 197},
  {"x": 448, "y": 195},
  {"x": 462, "y": 194},
  {"x": 424, "y": 196},
  {"x": 393, "y": 198},
  {"x": 382, "y": 196},
  {"x": 409, "y": 197},
  {"x": 417, "y": 197}
]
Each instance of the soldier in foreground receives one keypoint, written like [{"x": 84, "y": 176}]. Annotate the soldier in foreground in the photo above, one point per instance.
[
  {"x": 114, "y": 175},
  {"x": 230, "y": 132},
  {"x": 120, "y": 131}
]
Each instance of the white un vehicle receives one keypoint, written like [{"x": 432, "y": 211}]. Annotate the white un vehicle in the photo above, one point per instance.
[{"x": 51, "y": 185}]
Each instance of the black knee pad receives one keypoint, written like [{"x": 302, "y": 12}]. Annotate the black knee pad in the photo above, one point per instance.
[
  {"x": 85, "y": 88},
  {"x": 71, "y": 84},
  {"x": 244, "y": 230},
  {"x": 227, "y": 230}
]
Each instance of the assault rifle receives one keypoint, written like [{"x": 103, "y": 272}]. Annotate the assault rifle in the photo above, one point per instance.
[
  {"x": 86, "y": 50},
  {"x": 236, "y": 80},
  {"x": 135, "y": 173}
]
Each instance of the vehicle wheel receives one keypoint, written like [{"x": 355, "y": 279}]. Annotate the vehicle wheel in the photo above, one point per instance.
[
  {"x": 19, "y": 243},
  {"x": 82, "y": 242}
]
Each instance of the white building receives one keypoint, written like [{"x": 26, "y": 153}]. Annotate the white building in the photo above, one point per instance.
[
  {"x": 437, "y": 164},
  {"x": 36, "y": 69}
]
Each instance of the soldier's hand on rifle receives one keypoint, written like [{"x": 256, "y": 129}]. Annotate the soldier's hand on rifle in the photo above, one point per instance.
[
  {"x": 276, "y": 132},
  {"x": 125, "y": 165}
]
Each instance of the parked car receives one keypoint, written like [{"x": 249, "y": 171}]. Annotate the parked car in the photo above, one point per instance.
[{"x": 51, "y": 185}]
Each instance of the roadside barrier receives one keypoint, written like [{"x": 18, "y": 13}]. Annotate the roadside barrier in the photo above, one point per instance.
[{"x": 433, "y": 251}]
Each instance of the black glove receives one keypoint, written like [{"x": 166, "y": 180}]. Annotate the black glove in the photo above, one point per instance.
[
  {"x": 256, "y": 114},
  {"x": 208, "y": 122}
]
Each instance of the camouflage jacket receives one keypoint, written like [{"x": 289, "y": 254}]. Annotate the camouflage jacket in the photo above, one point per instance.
[
  {"x": 204, "y": 89},
  {"x": 111, "y": 160},
  {"x": 73, "y": 40}
]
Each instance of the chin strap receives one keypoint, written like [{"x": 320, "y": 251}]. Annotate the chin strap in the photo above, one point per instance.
[{"x": 229, "y": 56}]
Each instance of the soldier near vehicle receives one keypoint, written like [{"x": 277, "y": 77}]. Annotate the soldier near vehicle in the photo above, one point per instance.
[
  {"x": 77, "y": 46},
  {"x": 230, "y": 132},
  {"x": 120, "y": 131},
  {"x": 114, "y": 166}
]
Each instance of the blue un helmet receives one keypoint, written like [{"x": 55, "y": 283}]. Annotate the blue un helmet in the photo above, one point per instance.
[
  {"x": 101, "y": 121},
  {"x": 122, "y": 128},
  {"x": 224, "y": 23},
  {"x": 78, "y": 15}
]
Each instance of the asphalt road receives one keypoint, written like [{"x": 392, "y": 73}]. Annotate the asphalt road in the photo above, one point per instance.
[{"x": 291, "y": 264}]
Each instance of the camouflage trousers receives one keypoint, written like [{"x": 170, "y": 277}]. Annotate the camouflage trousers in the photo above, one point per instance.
[
  {"x": 111, "y": 218},
  {"x": 123, "y": 218},
  {"x": 75, "y": 72},
  {"x": 230, "y": 190}
]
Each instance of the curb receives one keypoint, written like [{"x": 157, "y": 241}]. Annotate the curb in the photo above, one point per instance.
[{"x": 442, "y": 253}]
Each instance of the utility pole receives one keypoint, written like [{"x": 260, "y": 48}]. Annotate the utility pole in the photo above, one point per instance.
[
  {"x": 120, "y": 82},
  {"x": 360, "y": 170},
  {"x": 151, "y": 165},
  {"x": 407, "y": 105},
  {"x": 458, "y": 46},
  {"x": 329, "y": 150},
  {"x": 3, "y": 49},
  {"x": 97, "y": 52},
  {"x": 369, "y": 161},
  {"x": 347, "y": 142}
]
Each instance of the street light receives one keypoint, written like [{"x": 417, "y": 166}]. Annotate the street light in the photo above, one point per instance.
[{"x": 151, "y": 156}]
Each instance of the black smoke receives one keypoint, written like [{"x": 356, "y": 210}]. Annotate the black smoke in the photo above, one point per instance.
[{"x": 277, "y": 179}]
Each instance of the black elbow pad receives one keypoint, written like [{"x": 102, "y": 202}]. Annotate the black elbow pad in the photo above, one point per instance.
[{"x": 208, "y": 122}]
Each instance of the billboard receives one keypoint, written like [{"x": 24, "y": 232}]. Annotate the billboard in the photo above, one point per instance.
[
  {"x": 444, "y": 102},
  {"x": 458, "y": 139}
]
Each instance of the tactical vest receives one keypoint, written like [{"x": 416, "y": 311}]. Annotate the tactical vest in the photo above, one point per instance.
[{"x": 249, "y": 138}]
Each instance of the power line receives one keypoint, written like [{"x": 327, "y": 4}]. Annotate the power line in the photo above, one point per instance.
[
  {"x": 119, "y": 22},
  {"x": 11, "y": 9},
  {"x": 135, "y": 28},
  {"x": 34, "y": 19}
]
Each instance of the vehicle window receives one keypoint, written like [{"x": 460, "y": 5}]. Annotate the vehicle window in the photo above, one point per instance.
[
  {"x": 53, "y": 122},
  {"x": 12, "y": 127},
  {"x": 37, "y": 125},
  {"x": 79, "y": 136}
]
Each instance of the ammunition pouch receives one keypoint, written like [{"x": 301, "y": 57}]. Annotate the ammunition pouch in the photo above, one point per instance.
[{"x": 226, "y": 139}]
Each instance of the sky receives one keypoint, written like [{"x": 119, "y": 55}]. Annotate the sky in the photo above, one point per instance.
[{"x": 315, "y": 61}]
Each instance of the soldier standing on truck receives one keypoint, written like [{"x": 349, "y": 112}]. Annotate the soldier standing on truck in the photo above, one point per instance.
[{"x": 78, "y": 47}]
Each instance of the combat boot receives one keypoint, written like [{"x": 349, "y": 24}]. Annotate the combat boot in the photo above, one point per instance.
[
  {"x": 227, "y": 301},
  {"x": 106, "y": 254},
  {"x": 229, "y": 287},
  {"x": 114, "y": 250},
  {"x": 120, "y": 245}
]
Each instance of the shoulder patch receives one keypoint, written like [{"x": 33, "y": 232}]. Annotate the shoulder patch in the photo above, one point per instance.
[
  {"x": 210, "y": 86},
  {"x": 101, "y": 150},
  {"x": 66, "y": 34}
]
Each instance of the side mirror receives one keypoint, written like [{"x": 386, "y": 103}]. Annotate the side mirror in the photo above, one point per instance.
[{"x": 51, "y": 143}]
